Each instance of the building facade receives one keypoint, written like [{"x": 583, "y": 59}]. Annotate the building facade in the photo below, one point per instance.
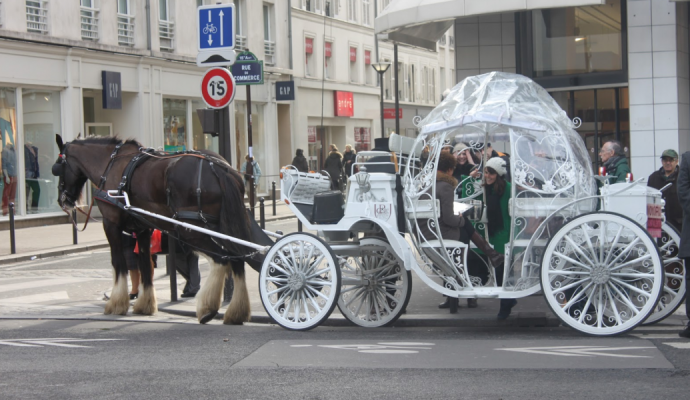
[{"x": 619, "y": 68}]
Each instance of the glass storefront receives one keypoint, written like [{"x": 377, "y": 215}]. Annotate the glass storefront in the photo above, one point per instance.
[
  {"x": 578, "y": 40},
  {"x": 258, "y": 140},
  {"x": 604, "y": 115},
  {"x": 8, "y": 130},
  {"x": 41, "y": 114},
  {"x": 175, "y": 124}
]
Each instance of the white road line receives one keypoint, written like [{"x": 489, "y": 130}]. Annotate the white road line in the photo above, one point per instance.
[
  {"x": 42, "y": 283},
  {"x": 36, "y": 298},
  {"x": 12, "y": 267},
  {"x": 679, "y": 345},
  {"x": 656, "y": 336},
  {"x": 660, "y": 328}
]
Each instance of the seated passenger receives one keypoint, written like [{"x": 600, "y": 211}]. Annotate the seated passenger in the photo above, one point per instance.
[{"x": 451, "y": 226}]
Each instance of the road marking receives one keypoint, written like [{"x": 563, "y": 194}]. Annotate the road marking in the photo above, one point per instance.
[
  {"x": 37, "y": 264},
  {"x": 659, "y": 328},
  {"x": 382, "y": 348},
  {"x": 43, "y": 283},
  {"x": 37, "y": 298},
  {"x": 655, "y": 336},
  {"x": 679, "y": 345},
  {"x": 58, "y": 342},
  {"x": 577, "y": 351}
]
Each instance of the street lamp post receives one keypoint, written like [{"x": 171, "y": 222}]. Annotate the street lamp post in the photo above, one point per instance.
[{"x": 381, "y": 67}]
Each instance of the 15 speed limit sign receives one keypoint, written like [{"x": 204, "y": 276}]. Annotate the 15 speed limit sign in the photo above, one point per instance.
[{"x": 218, "y": 87}]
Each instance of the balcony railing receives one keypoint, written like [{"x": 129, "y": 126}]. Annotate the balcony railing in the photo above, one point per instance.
[
  {"x": 89, "y": 23},
  {"x": 125, "y": 30},
  {"x": 37, "y": 17},
  {"x": 240, "y": 43},
  {"x": 269, "y": 53},
  {"x": 166, "y": 32}
]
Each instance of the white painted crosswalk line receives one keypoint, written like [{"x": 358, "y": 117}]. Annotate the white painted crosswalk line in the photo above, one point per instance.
[
  {"x": 36, "y": 298},
  {"x": 660, "y": 328},
  {"x": 679, "y": 345},
  {"x": 655, "y": 336},
  {"x": 42, "y": 283}
]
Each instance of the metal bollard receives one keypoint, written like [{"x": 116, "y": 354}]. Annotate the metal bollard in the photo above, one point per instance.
[
  {"x": 299, "y": 226},
  {"x": 74, "y": 226},
  {"x": 13, "y": 243},
  {"x": 262, "y": 213},
  {"x": 274, "y": 198}
]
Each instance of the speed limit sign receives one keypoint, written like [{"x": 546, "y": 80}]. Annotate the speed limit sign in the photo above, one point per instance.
[{"x": 218, "y": 87}]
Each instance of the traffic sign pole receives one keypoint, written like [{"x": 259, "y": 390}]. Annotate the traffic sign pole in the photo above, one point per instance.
[{"x": 250, "y": 165}]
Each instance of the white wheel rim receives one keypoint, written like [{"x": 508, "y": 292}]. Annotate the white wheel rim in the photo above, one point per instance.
[
  {"x": 374, "y": 286},
  {"x": 299, "y": 282},
  {"x": 602, "y": 287},
  {"x": 674, "y": 283}
]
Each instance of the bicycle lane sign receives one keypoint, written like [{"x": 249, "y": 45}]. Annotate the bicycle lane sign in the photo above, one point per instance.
[
  {"x": 218, "y": 87},
  {"x": 216, "y": 35}
]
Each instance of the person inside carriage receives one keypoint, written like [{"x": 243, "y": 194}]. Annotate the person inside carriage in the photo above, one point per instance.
[{"x": 452, "y": 226}]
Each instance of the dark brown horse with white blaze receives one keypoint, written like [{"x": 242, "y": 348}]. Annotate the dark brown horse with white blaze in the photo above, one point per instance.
[{"x": 166, "y": 185}]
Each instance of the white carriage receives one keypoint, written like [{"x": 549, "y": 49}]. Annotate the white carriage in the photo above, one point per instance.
[{"x": 600, "y": 270}]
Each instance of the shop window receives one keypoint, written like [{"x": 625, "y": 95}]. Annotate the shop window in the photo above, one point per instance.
[
  {"x": 354, "y": 68},
  {"x": 201, "y": 140},
  {"x": 175, "y": 124},
  {"x": 309, "y": 56},
  {"x": 362, "y": 139},
  {"x": 577, "y": 39},
  {"x": 8, "y": 130},
  {"x": 42, "y": 120},
  {"x": 328, "y": 60}
]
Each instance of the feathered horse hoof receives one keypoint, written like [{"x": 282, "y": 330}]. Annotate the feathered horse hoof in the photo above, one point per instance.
[{"x": 208, "y": 317}]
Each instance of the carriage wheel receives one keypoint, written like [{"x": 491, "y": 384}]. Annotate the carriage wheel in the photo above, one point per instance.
[
  {"x": 602, "y": 274},
  {"x": 376, "y": 287},
  {"x": 299, "y": 281},
  {"x": 674, "y": 268}
]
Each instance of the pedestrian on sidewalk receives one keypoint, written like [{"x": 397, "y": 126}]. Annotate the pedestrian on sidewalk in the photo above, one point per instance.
[
  {"x": 300, "y": 161},
  {"x": 334, "y": 165},
  {"x": 684, "y": 251}
]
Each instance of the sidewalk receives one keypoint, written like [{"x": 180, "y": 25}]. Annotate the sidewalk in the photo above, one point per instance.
[{"x": 56, "y": 240}]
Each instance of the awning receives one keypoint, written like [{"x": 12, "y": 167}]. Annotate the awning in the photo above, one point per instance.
[{"x": 421, "y": 23}]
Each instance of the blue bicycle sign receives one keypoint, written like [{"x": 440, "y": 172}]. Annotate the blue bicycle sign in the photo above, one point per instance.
[{"x": 210, "y": 28}]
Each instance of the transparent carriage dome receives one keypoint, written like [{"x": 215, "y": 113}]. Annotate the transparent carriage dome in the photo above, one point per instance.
[{"x": 547, "y": 156}]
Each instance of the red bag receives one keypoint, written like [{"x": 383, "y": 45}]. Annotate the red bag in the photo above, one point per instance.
[{"x": 155, "y": 243}]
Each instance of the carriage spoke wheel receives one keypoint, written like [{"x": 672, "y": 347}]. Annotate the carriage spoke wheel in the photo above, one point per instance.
[
  {"x": 674, "y": 267},
  {"x": 376, "y": 287},
  {"x": 299, "y": 281},
  {"x": 602, "y": 274}
]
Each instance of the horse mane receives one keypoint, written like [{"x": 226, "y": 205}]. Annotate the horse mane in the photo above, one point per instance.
[{"x": 110, "y": 140}]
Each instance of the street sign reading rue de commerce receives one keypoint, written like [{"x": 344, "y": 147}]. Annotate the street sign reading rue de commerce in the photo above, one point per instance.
[
  {"x": 217, "y": 88},
  {"x": 216, "y": 34},
  {"x": 248, "y": 70}
]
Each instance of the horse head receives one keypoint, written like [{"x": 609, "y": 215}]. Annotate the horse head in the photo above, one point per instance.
[{"x": 71, "y": 178}]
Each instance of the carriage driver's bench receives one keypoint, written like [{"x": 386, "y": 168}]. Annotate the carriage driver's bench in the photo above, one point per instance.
[{"x": 310, "y": 193}]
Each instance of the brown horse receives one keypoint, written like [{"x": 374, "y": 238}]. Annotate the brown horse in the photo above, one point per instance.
[{"x": 180, "y": 186}]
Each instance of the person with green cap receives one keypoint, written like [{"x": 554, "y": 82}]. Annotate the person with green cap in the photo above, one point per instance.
[{"x": 668, "y": 173}]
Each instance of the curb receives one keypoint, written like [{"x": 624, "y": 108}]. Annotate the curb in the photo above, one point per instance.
[{"x": 522, "y": 320}]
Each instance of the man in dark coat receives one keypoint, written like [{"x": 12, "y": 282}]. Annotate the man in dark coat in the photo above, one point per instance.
[
  {"x": 300, "y": 161},
  {"x": 684, "y": 252},
  {"x": 334, "y": 166},
  {"x": 668, "y": 173}
]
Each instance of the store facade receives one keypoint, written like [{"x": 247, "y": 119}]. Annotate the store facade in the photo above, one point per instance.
[{"x": 618, "y": 68}]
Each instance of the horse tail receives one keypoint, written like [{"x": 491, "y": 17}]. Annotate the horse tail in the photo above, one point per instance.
[{"x": 233, "y": 217}]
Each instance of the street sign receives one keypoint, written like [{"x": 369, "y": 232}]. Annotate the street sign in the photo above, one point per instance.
[
  {"x": 216, "y": 35},
  {"x": 389, "y": 113},
  {"x": 248, "y": 70},
  {"x": 218, "y": 87}
]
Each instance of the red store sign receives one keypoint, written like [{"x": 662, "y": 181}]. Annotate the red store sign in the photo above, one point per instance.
[
  {"x": 389, "y": 113},
  {"x": 367, "y": 57},
  {"x": 353, "y": 54},
  {"x": 329, "y": 48},
  {"x": 309, "y": 45},
  {"x": 343, "y": 104}
]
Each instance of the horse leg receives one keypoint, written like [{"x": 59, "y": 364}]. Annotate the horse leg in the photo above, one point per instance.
[
  {"x": 119, "y": 297},
  {"x": 146, "y": 304},
  {"x": 238, "y": 311},
  {"x": 208, "y": 298}
]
